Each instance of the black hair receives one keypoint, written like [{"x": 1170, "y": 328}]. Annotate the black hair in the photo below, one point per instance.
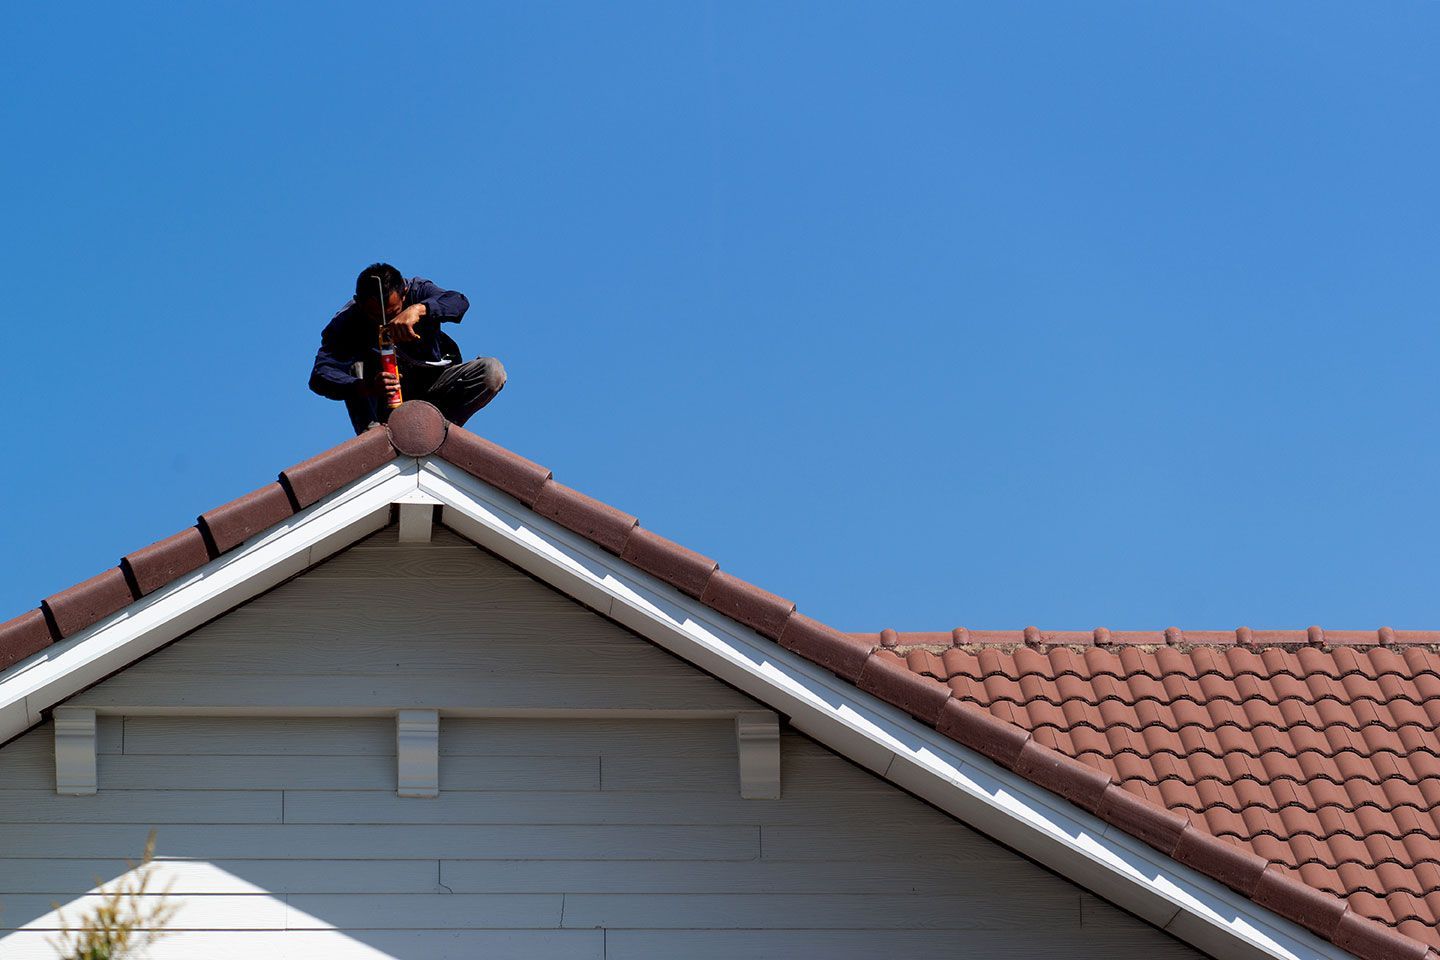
[{"x": 390, "y": 279}]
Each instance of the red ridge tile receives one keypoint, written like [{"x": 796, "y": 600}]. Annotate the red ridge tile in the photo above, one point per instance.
[
  {"x": 837, "y": 652},
  {"x": 685, "y": 570},
  {"x": 1237, "y": 868},
  {"x": 758, "y": 609},
  {"x": 982, "y": 732},
  {"x": 233, "y": 523},
  {"x": 88, "y": 602},
  {"x": 492, "y": 463},
  {"x": 597, "y": 522},
  {"x": 417, "y": 428},
  {"x": 1317, "y": 912},
  {"x": 154, "y": 566},
  {"x": 1079, "y": 783},
  {"x": 321, "y": 475},
  {"x": 887, "y": 677},
  {"x": 1145, "y": 821},
  {"x": 23, "y": 636}
]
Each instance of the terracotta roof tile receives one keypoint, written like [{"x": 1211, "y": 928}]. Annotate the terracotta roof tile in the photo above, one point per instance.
[
  {"x": 495, "y": 465},
  {"x": 1233, "y": 865},
  {"x": 231, "y": 524},
  {"x": 758, "y": 609},
  {"x": 593, "y": 520},
  {"x": 837, "y": 652},
  {"x": 887, "y": 676},
  {"x": 417, "y": 429},
  {"x": 1081, "y": 785},
  {"x": 153, "y": 567},
  {"x": 1294, "y": 900},
  {"x": 23, "y": 636},
  {"x": 73, "y": 609},
  {"x": 1297, "y": 767},
  {"x": 323, "y": 474},
  {"x": 685, "y": 570}
]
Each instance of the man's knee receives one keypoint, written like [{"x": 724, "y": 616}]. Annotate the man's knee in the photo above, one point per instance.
[{"x": 494, "y": 375}]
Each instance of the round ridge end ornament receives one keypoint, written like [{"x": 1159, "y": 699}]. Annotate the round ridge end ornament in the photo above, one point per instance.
[{"x": 417, "y": 428}]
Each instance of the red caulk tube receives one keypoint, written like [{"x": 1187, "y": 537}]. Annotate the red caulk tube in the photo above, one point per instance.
[{"x": 388, "y": 365}]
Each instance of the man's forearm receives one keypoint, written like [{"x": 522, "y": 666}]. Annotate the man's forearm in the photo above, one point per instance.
[
  {"x": 445, "y": 306},
  {"x": 448, "y": 307}
]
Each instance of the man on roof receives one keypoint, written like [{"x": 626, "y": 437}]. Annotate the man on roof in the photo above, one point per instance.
[{"x": 347, "y": 366}]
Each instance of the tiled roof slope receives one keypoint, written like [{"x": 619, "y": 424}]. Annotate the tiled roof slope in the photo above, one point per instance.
[
  {"x": 1293, "y": 768},
  {"x": 1313, "y": 750}
]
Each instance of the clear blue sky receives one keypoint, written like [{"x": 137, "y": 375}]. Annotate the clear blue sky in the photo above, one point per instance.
[{"x": 922, "y": 315}]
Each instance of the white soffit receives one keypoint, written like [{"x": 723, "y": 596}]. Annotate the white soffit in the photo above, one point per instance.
[{"x": 975, "y": 790}]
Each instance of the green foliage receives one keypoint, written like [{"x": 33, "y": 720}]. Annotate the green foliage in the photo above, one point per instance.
[{"x": 127, "y": 920}]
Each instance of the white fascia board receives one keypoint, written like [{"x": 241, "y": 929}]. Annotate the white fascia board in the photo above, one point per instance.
[
  {"x": 72, "y": 664},
  {"x": 1026, "y": 817}
]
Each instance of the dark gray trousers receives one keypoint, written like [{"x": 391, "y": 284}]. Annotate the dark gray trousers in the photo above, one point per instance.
[{"x": 457, "y": 390}]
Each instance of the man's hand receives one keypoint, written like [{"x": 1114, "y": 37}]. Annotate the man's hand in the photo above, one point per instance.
[
  {"x": 381, "y": 385},
  {"x": 402, "y": 328}
]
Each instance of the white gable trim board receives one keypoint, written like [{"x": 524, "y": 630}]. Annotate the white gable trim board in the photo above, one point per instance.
[{"x": 855, "y": 724}]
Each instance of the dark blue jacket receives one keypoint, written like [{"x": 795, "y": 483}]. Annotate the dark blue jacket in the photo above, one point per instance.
[{"x": 351, "y": 336}]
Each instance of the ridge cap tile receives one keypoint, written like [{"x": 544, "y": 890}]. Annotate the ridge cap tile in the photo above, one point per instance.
[
  {"x": 596, "y": 521},
  {"x": 677, "y": 565},
  {"x": 89, "y": 601},
  {"x": 23, "y": 636},
  {"x": 231, "y": 524},
  {"x": 416, "y": 428},
  {"x": 758, "y": 609},
  {"x": 1142, "y": 819},
  {"x": 1293, "y": 899},
  {"x": 886, "y": 675},
  {"x": 316, "y": 477},
  {"x": 164, "y": 561},
  {"x": 842, "y": 654},
  {"x": 982, "y": 731},
  {"x": 491, "y": 463},
  {"x": 1077, "y": 782},
  {"x": 1237, "y": 868}
]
